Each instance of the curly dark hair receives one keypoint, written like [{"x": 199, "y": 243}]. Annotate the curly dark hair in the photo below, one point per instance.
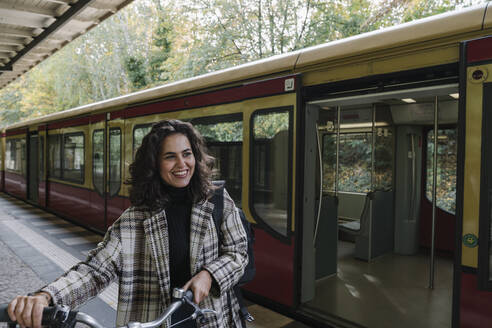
[{"x": 147, "y": 187}]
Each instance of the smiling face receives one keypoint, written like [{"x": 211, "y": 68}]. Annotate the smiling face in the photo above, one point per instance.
[{"x": 177, "y": 162}]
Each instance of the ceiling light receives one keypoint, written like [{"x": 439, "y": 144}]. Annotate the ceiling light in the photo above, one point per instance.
[
  {"x": 455, "y": 95},
  {"x": 408, "y": 100}
]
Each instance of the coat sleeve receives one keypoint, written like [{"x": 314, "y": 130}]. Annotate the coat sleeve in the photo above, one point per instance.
[
  {"x": 228, "y": 268},
  {"x": 86, "y": 279}
]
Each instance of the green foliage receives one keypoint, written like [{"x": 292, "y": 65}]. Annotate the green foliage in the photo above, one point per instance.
[
  {"x": 135, "y": 68},
  {"x": 222, "y": 132},
  {"x": 155, "y": 41},
  {"x": 160, "y": 51},
  {"x": 446, "y": 168},
  {"x": 10, "y": 103},
  {"x": 355, "y": 162},
  {"x": 267, "y": 126}
]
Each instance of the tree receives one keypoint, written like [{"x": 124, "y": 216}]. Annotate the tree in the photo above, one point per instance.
[{"x": 155, "y": 41}]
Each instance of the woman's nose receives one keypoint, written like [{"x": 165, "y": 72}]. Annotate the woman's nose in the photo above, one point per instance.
[{"x": 181, "y": 160}]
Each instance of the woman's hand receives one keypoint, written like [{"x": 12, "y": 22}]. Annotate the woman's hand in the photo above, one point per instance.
[
  {"x": 28, "y": 310},
  {"x": 200, "y": 285}
]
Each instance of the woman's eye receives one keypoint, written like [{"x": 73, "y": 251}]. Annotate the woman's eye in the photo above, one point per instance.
[{"x": 187, "y": 154}]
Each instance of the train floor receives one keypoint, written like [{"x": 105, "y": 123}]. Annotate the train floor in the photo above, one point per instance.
[
  {"x": 37, "y": 247},
  {"x": 390, "y": 291}
]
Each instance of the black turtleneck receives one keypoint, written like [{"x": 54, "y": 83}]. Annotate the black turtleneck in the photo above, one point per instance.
[{"x": 178, "y": 215}]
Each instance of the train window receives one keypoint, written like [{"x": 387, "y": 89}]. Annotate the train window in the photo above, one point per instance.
[
  {"x": 98, "y": 160},
  {"x": 23, "y": 156},
  {"x": 329, "y": 155},
  {"x": 114, "y": 160},
  {"x": 383, "y": 158},
  {"x": 11, "y": 155},
  {"x": 270, "y": 168},
  {"x": 355, "y": 162},
  {"x": 224, "y": 138},
  {"x": 15, "y": 156},
  {"x": 139, "y": 133},
  {"x": 356, "y": 170},
  {"x": 54, "y": 156},
  {"x": 73, "y": 157},
  {"x": 446, "y": 168}
]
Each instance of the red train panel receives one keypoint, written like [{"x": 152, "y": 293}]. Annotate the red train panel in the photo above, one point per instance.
[
  {"x": 75, "y": 203},
  {"x": 96, "y": 210},
  {"x": 15, "y": 184},
  {"x": 42, "y": 194},
  {"x": 445, "y": 227},
  {"x": 274, "y": 269},
  {"x": 475, "y": 304},
  {"x": 116, "y": 206}
]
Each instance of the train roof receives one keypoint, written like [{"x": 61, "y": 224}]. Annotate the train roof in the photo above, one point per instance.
[{"x": 451, "y": 24}]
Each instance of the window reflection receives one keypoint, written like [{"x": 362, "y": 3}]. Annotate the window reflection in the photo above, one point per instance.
[
  {"x": 98, "y": 160},
  {"x": 73, "y": 157},
  {"x": 15, "y": 157},
  {"x": 114, "y": 161},
  {"x": 270, "y": 168},
  {"x": 138, "y": 134},
  {"x": 54, "y": 156},
  {"x": 224, "y": 138}
]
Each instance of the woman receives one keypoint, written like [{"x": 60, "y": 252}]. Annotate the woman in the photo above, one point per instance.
[{"x": 165, "y": 239}]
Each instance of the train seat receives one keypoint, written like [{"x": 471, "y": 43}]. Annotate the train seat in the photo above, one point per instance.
[
  {"x": 373, "y": 228},
  {"x": 351, "y": 210}
]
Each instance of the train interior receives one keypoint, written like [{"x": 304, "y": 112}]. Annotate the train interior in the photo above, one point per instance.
[{"x": 369, "y": 259}]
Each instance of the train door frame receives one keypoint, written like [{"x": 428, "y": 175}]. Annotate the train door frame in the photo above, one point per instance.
[
  {"x": 98, "y": 194},
  {"x": 313, "y": 203},
  {"x": 43, "y": 179},
  {"x": 309, "y": 189},
  {"x": 33, "y": 167},
  {"x": 472, "y": 296},
  {"x": 111, "y": 199}
]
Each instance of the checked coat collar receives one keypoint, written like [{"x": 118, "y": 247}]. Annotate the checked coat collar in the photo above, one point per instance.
[{"x": 156, "y": 231}]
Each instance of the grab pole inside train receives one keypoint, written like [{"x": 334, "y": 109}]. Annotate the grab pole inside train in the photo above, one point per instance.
[
  {"x": 434, "y": 200},
  {"x": 338, "y": 152}
]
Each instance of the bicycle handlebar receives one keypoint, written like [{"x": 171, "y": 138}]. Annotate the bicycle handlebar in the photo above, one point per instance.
[
  {"x": 62, "y": 316},
  {"x": 49, "y": 314}
]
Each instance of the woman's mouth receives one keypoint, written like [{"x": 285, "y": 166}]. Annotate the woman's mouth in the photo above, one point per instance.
[{"x": 181, "y": 173}]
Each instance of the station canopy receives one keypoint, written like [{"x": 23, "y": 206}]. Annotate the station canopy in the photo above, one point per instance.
[{"x": 33, "y": 30}]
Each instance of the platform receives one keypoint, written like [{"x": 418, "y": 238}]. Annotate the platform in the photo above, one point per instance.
[{"x": 36, "y": 247}]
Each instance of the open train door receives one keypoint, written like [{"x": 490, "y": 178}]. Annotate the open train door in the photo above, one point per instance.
[
  {"x": 269, "y": 179},
  {"x": 472, "y": 298}
]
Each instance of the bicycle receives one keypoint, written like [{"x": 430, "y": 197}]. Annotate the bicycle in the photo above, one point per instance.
[{"x": 62, "y": 317}]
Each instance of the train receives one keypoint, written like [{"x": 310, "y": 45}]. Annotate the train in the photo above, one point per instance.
[{"x": 363, "y": 165}]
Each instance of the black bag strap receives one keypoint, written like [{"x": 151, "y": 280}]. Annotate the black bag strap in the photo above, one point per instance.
[
  {"x": 218, "y": 212},
  {"x": 243, "y": 309}
]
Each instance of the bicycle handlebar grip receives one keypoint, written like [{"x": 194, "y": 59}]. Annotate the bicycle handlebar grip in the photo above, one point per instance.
[
  {"x": 49, "y": 314},
  {"x": 4, "y": 316}
]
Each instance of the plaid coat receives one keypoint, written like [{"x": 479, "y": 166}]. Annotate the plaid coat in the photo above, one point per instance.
[{"x": 135, "y": 251}]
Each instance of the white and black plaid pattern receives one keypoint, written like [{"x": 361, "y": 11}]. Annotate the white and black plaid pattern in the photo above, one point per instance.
[{"x": 135, "y": 251}]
